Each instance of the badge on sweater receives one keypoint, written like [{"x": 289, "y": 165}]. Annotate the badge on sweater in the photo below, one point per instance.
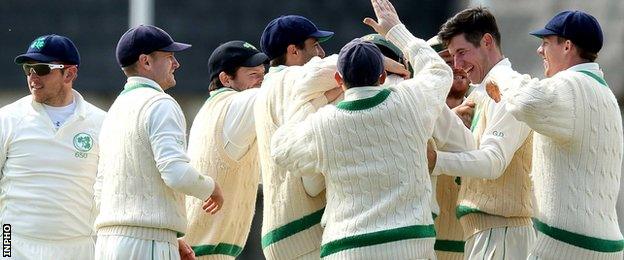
[{"x": 83, "y": 142}]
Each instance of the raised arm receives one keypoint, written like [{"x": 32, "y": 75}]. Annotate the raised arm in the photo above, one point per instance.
[{"x": 546, "y": 106}]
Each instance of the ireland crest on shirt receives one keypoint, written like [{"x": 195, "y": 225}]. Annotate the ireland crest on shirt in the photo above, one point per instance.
[{"x": 83, "y": 142}]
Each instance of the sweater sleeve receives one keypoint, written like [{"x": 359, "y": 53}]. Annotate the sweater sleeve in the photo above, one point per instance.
[
  {"x": 450, "y": 134},
  {"x": 238, "y": 126},
  {"x": 432, "y": 76},
  {"x": 547, "y": 106},
  {"x": 499, "y": 142},
  {"x": 293, "y": 147},
  {"x": 166, "y": 128},
  {"x": 5, "y": 130}
]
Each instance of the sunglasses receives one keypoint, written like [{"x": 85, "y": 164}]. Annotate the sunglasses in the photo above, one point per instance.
[{"x": 41, "y": 69}]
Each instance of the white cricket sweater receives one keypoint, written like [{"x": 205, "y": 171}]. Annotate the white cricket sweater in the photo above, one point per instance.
[
  {"x": 137, "y": 198},
  {"x": 577, "y": 155},
  {"x": 293, "y": 205},
  {"x": 46, "y": 183},
  {"x": 223, "y": 235},
  {"x": 372, "y": 153}
]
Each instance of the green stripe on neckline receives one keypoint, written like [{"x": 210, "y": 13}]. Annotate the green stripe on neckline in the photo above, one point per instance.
[
  {"x": 292, "y": 228},
  {"x": 596, "y": 77},
  {"x": 219, "y": 249},
  {"x": 379, "y": 237},
  {"x": 365, "y": 103},
  {"x": 449, "y": 246},
  {"x": 582, "y": 241},
  {"x": 132, "y": 86},
  {"x": 461, "y": 211},
  {"x": 217, "y": 92}
]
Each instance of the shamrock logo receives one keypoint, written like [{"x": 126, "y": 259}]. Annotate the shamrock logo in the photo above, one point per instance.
[
  {"x": 249, "y": 46},
  {"x": 83, "y": 142},
  {"x": 38, "y": 43}
]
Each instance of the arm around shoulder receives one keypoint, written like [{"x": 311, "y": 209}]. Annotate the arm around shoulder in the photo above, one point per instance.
[{"x": 547, "y": 106}]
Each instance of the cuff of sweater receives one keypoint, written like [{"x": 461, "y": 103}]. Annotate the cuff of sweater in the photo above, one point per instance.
[
  {"x": 402, "y": 38},
  {"x": 439, "y": 166},
  {"x": 195, "y": 184}
]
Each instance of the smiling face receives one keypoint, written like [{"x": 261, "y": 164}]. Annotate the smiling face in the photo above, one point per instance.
[
  {"x": 469, "y": 58},
  {"x": 54, "y": 88},
  {"x": 246, "y": 78},
  {"x": 552, "y": 52}
]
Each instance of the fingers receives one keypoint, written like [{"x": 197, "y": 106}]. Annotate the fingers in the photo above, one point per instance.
[
  {"x": 376, "y": 7},
  {"x": 469, "y": 103},
  {"x": 405, "y": 73},
  {"x": 212, "y": 205},
  {"x": 372, "y": 23},
  {"x": 492, "y": 90}
]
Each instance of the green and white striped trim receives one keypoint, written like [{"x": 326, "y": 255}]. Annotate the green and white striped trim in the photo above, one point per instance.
[
  {"x": 594, "y": 76},
  {"x": 217, "y": 92},
  {"x": 475, "y": 118},
  {"x": 292, "y": 228},
  {"x": 379, "y": 237},
  {"x": 449, "y": 246},
  {"x": 365, "y": 103},
  {"x": 219, "y": 249},
  {"x": 582, "y": 241},
  {"x": 462, "y": 210},
  {"x": 132, "y": 86}
]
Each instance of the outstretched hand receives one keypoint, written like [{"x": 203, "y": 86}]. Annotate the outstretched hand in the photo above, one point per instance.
[{"x": 387, "y": 17}]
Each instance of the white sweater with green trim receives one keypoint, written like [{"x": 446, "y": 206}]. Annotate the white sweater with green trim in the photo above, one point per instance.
[
  {"x": 372, "y": 153},
  {"x": 577, "y": 155},
  {"x": 139, "y": 196}
]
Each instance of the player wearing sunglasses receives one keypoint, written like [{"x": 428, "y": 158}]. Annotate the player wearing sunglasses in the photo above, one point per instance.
[{"x": 49, "y": 157}]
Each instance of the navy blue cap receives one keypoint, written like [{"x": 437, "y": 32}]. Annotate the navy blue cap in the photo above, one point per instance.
[
  {"x": 579, "y": 27},
  {"x": 360, "y": 63},
  {"x": 233, "y": 54},
  {"x": 51, "y": 48},
  {"x": 145, "y": 39},
  {"x": 286, "y": 30}
]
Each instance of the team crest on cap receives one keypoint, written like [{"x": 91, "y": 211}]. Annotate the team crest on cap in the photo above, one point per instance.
[
  {"x": 249, "y": 46},
  {"x": 38, "y": 43},
  {"x": 83, "y": 142}
]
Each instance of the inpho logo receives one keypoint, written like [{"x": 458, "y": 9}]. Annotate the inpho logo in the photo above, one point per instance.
[{"x": 6, "y": 240}]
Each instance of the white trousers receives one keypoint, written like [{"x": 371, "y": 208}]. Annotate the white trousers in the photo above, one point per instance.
[
  {"x": 23, "y": 247},
  {"x": 111, "y": 247},
  {"x": 501, "y": 243}
]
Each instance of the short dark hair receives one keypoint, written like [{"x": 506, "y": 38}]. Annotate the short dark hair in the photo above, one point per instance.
[
  {"x": 473, "y": 23},
  {"x": 583, "y": 53},
  {"x": 281, "y": 60},
  {"x": 216, "y": 82}
]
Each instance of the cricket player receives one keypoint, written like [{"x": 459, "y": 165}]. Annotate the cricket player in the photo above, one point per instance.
[
  {"x": 49, "y": 154},
  {"x": 577, "y": 155},
  {"x": 144, "y": 171},
  {"x": 222, "y": 144},
  {"x": 495, "y": 201}
]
